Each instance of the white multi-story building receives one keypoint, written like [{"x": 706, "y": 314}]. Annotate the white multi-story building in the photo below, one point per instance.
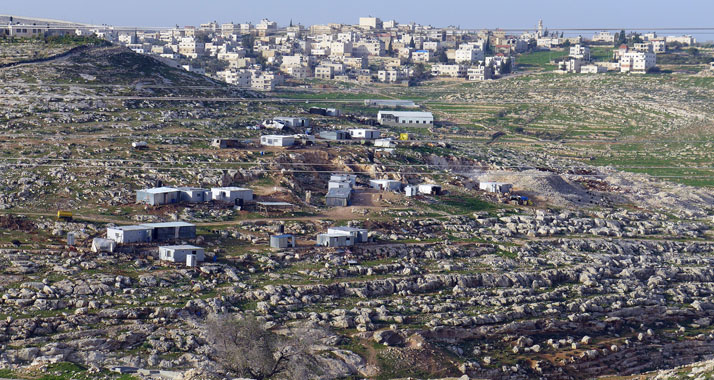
[
  {"x": 421, "y": 56},
  {"x": 684, "y": 40},
  {"x": 580, "y": 52},
  {"x": 390, "y": 76},
  {"x": 370, "y": 22},
  {"x": 364, "y": 48},
  {"x": 340, "y": 48},
  {"x": 228, "y": 29},
  {"x": 604, "y": 37},
  {"x": 480, "y": 72},
  {"x": 191, "y": 48},
  {"x": 644, "y": 47},
  {"x": 266, "y": 26},
  {"x": 127, "y": 38},
  {"x": 592, "y": 69},
  {"x": 659, "y": 45},
  {"x": 454, "y": 71},
  {"x": 637, "y": 62},
  {"x": 570, "y": 65},
  {"x": 324, "y": 72},
  {"x": 240, "y": 78},
  {"x": 297, "y": 72},
  {"x": 431, "y": 45},
  {"x": 548, "y": 42},
  {"x": 468, "y": 54}
]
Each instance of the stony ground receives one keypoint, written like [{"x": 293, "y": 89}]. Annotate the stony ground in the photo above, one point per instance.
[{"x": 607, "y": 273}]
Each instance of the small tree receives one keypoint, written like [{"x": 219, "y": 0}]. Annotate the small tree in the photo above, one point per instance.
[
  {"x": 245, "y": 347},
  {"x": 621, "y": 38},
  {"x": 248, "y": 44}
]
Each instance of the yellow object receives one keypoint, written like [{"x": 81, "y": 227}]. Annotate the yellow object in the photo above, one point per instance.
[
  {"x": 64, "y": 214},
  {"x": 403, "y": 136}
]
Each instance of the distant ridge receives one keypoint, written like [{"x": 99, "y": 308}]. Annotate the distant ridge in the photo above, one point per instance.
[{"x": 4, "y": 19}]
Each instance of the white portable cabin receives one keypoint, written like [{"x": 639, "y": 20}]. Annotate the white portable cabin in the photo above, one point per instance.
[
  {"x": 193, "y": 194},
  {"x": 277, "y": 140},
  {"x": 359, "y": 234},
  {"x": 103, "y": 245},
  {"x": 406, "y": 118},
  {"x": 385, "y": 184},
  {"x": 429, "y": 189},
  {"x": 129, "y": 234},
  {"x": 335, "y": 240},
  {"x": 385, "y": 143},
  {"x": 158, "y": 196},
  {"x": 339, "y": 185},
  {"x": 178, "y": 253},
  {"x": 282, "y": 241},
  {"x": 363, "y": 133},
  {"x": 351, "y": 178},
  {"x": 231, "y": 194},
  {"x": 293, "y": 121},
  {"x": 495, "y": 187},
  {"x": 411, "y": 191}
]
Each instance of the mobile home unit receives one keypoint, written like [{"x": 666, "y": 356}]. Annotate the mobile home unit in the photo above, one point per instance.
[
  {"x": 405, "y": 118},
  {"x": 178, "y": 253}
]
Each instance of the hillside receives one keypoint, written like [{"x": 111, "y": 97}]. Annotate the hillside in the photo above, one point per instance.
[{"x": 603, "y": 272}]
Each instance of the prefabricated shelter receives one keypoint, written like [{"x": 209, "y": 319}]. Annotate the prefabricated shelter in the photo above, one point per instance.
[
  {"x": 129, "y": 234},
  {"x": 385, "y": 143},
  {"x": 293, "y": 121},
  {"x": 274, "y": 206},
  {"x": 385, "y": 184},
  {"x": 103, "y": 245},
  {"x": 389, "y": 103},
  {"x": 495, "y": 187},
  {"x": 236, "y": 195},
  {"x": 193, "y": 194},
  {"x": 364, "y": 133},
  {"x": 351, "y": 178},
  {"x": 324, "y": 111},
  {"x": 430, "y": 189},
  {"x": 359, "y": 234},
  {"x": 411, "y": 191},
  {"x": 335, "y": 240},
  {"x": 339, "y": 185},
  {"x": 338, "y": 197},
  {"x": 225, "y": 143},
  {"x": 171, "y": 230},
  {"x": 405, "y": 118},
  {"x": 178, "y": 253},
  {"x": 335, "y": 135},
  {"x": 277, "y": 140},
  {"x": 282, "y": 241},
  {"x": 139, "y": 145},
  {"x": 158, "y": 196}
]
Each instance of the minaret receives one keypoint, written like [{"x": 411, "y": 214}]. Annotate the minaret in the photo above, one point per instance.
[{"x": 540, "y": 28}]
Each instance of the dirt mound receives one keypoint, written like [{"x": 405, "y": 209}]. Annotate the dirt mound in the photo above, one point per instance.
[
  {"x": 548, "y": 187},
  {"x": 16, "y": 223}
]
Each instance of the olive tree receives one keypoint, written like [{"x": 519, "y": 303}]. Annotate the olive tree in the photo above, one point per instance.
[{"x": 245, "y": 347}]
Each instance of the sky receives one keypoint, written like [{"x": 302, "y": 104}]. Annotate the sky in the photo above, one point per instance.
[{"x": 468, "y": 14}]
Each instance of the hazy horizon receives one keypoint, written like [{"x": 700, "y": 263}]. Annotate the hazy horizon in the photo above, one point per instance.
[{"x": 465, "y": 14}]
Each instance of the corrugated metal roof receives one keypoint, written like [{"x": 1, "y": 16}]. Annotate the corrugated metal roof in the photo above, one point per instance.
[
  {"x": 180, "y": 247},
  {"x": 339, "y": 193},
  {"x": 168, "y": 224},
  {"x": 406, "y": 113},
  {"x": 159, "y": 190},
  {"x": 129, "y": 228}
]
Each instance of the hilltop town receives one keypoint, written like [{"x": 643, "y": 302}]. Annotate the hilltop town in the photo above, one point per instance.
[{"x": 377, "y": 200}]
